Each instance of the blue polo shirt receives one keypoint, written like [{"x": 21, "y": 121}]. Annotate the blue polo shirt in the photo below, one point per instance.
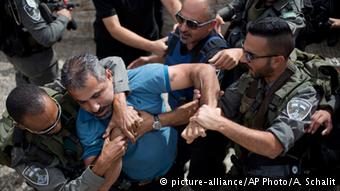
[{"x": 153, "y": 154}]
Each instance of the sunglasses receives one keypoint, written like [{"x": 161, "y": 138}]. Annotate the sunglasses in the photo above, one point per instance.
[
  {"x": 250, "y": 56},
  {"x": 192, "y": 24},
  {"x": 54, "y": 125}
]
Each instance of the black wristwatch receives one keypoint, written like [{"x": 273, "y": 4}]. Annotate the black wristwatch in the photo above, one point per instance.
[{"x": 156, "y": 123}]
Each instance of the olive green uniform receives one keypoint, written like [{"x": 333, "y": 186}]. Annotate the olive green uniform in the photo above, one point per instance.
[
  {"x": 53, "y": 162},
  {"x": 288, "y": 110},
  {"x": 30, "y": 48},
  {"x": 244, "y": 11}
]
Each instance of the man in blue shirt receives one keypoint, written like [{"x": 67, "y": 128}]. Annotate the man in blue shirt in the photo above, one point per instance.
[
  {"x": 154, "y": 152},
  {"x": 196, "y": 40}
]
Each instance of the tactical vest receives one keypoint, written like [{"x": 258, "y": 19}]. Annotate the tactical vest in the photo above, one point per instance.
[
  {"x": 178, "y": 53},
  {"x": 255, "y": 116},
  {"x": 15, "y": 40},
  {"x": 62, "y": 150},
  {"x": 251, "y": 101},
  {"x": 286, "y": 9}
]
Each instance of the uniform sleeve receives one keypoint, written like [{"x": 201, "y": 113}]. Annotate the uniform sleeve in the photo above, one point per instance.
[
  {"x": 230, "y": 101},
  {"x": 294, "y": 17},
  {"x": 52, "y": 178},
  {"x": 6, "y": 131},
  {"x": 289, "y": 126},
  {"x": 31, "y": 18},
  {"x": 231, "y": 9},
  {"x": 104, "y": 8},
  {"x": 120, "y": 76}
]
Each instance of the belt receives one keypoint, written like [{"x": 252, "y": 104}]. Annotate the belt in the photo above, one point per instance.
[
  {"x": 123, "y": 183},
  {"x": 275, "y": 171},
  {"x": 146, "y": 182}
]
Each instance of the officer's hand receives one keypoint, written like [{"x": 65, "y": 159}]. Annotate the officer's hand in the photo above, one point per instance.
[
  {"x": 321, "y": 118},
  {"x": 113, "y": 150},
  {"x": 127, "y": 120},
  {"x": 335, "y": 23},
  {"x": 159, "y": 47},
  {"x": 65, "y": 13},
  {"x": 226, "y": 59},
  {"x": 197, "y": 94},
  {"x": 185, "y": 111},
  {"x": 193, "y": 131},
  {"x": 219, "y": 23},
  {"x": 146, "y": 124},
  {"x": 115, "y": 132},
  {"x": 208, "y": 117}
]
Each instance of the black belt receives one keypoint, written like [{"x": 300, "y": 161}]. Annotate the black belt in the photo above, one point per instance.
[{"x": 124, "y": 183}]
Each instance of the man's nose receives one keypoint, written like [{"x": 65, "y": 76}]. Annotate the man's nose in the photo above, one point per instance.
[
  {"x": 94, "y": 106},
  {"x": 183, "y": 27}
]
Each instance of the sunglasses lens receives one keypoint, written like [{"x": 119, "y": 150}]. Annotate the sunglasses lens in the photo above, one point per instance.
[
  {"x": 249, "y": 56},
  {"x": 192, "y": 24},
  {"x": 179, "y": 18}
]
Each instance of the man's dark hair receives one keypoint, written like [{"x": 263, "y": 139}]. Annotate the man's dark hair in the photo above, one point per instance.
[
  {"x": 278, "y": 33},
  {"x": 76, "y": 69},
  {"x": 27, "y": 99}
]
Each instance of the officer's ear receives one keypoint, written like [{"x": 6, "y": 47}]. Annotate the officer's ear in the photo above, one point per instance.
[
  {"x": 278, "y": 61},
  {"x": 20, "y": 126},
  {"x": 108, "y": 74},
  {"x": 212, "y": 25}
]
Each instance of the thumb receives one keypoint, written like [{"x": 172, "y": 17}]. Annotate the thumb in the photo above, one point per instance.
[
  {"x": 214, "y": 58},
  {"x": 165, "y": 39}
]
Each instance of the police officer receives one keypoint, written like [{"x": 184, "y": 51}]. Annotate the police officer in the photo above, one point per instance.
[
  {"x": 29, "y": 46},
  {"x": 45, "y": 149},
  {"x": 241, "y": 12},
  {"x": 273, "y": 103}
]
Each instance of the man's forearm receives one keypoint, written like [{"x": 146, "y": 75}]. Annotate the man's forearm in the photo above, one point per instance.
[
  {"x": 205, "y": 80},
  {"x": 172, "y": 118},
  {"x": 173, "y": 6},
  {"x": 260, "y": 142},
  {"x": 126, "y": 36}
]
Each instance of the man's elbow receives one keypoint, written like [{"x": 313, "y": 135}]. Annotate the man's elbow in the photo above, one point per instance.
[{"x": 275, "y": 150}]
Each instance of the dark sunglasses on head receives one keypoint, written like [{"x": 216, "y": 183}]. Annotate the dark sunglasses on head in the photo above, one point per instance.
[{"x": 192, "y": 24}]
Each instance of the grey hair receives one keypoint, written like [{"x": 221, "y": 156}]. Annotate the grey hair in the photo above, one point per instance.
[
  {"x": 212, "y": 10},
  {"x": 77, "y": 68}
]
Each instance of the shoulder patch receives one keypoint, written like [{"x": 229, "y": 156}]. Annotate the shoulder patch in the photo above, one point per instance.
[
  {"x": 32, "y": 10},
  {"x": 32, "y": 3},
  {"x": 298, "y": 109},
  {"x": 36, "y": 175}
]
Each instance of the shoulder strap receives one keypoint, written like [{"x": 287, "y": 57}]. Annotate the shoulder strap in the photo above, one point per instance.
[
  {"x": 260, "y": 117},
  {"x": 213, "y": 45},
  {"x": 284, "y": 94},
  {"x": 173, "y": 39}
]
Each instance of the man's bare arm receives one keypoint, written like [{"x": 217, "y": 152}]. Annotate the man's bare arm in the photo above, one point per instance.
[
  {"x": 132, "y": 39},
  {"x": 201, "y": 76}
]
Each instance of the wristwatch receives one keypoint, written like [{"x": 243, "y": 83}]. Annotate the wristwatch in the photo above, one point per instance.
[{"x": 156, "y": 123}]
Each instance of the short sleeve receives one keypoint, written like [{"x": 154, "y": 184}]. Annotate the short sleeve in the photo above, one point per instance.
[
  {"x": 119, "y": 73},
  {"x": 104, "y": 8},
  {"x": 288, "y": 127}
]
